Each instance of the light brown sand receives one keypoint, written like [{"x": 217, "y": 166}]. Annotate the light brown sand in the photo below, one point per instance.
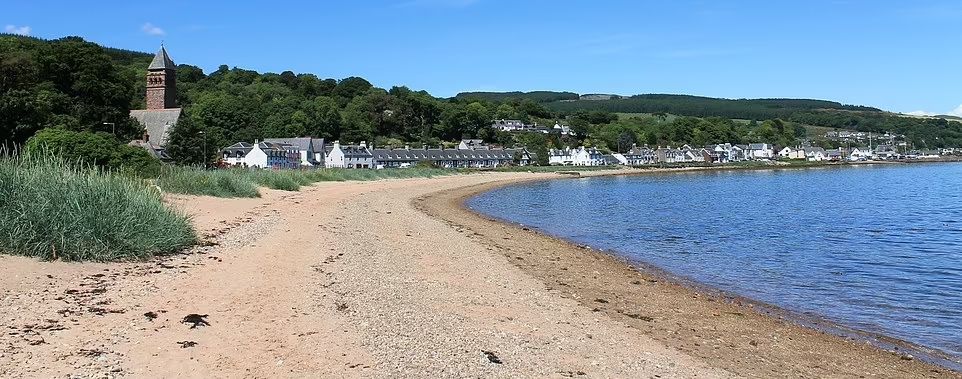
[{"x": 352, "y": 280}]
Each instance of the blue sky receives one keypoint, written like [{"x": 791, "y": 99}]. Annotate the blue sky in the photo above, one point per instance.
[{"x": 897, "y": 55}]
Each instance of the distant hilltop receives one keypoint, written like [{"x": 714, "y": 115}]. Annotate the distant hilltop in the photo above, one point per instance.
[
  {"x": 685, "y": 105},
  {"x": 598, "y": 96}
]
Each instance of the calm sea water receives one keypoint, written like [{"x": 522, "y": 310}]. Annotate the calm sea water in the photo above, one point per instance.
[{"x": 876, "y": 248}]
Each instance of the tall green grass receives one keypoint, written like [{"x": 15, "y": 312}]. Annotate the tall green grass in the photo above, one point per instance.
[
  {"x": 194, "y": 181},
  {"x": 53, "y": 209},
  {"x": 244, "y": 182}
]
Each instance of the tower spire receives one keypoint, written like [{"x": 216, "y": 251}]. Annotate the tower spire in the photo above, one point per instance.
[{"x": 161, "y": 81}]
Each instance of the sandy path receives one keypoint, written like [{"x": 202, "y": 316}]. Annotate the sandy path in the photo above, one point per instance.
[{"x": 339, "y": 280}]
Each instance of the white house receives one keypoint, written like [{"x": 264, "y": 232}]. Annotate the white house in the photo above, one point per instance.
[
  {"x": 472, "y": 144},
  {"x": 637, "y": 156},
  {"x": 815, "y": 154},
  {"x": 760, "y": 151},
  {"x": 581, "y": 156},
  {"x": 349, "y": 156},
  {"x": 311, "y": 149},
  {"x": 563, "y": 129},
  {"x": 785, "y": 152},
  {"x": 860, "y": 154},
  {"x": 262, "y": 155}
]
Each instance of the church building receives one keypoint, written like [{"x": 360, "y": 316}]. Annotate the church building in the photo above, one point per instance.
[{"x": 162, "y": 111}]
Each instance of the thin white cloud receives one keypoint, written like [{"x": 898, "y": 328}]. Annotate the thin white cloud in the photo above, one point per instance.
[
  {"x": 439, "y": 3},
  {"x": 21, "y": 30},
  {"x": 698, "y": 53},
  {"x": 957, "y": 111},
  {"x": 152, "y": 30}
]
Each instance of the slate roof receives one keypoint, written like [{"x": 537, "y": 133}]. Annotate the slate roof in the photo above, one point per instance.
[
  {"x": 244, "y": 147},
  {"x": 161, "y": 61},
  {"x": 241, "y": 147},
  {"x": 351, "y": 151},
  {"x": 157, "y": 151},
  {"x": 640, "y": 150},
  {"x": 303, "y": 143},
  {"x": 475, "y": 144},
  {"x": 411, "y": 155},
  {"x": 157, "y": 122}
]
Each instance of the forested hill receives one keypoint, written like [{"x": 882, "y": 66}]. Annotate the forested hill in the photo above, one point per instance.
[
  {"x": 79, "y": 86},
  {"x": 685, "y": 105},
  {"x": 536, "y": 96},
  {"x": 750, "y": 109},
  {"x": 943, "y": 130}
]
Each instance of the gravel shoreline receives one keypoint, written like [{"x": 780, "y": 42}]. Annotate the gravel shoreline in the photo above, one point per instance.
[{"x": 744, "y": 337}]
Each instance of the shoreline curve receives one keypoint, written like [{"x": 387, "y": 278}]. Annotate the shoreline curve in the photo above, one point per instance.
[{"x": 811, "y": 346}]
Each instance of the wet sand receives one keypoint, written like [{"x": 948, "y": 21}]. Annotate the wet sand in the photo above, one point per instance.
[{"x": 743, "y": 337}]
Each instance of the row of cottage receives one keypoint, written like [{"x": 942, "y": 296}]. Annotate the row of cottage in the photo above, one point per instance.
[
  {"x": 726, "y": 153},
  {"x": 313, "y": 152},
  {"x": 644, "y": 155}
]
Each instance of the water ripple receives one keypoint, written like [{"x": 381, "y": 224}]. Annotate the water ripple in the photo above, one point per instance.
[{"x": 876, "y": 248}]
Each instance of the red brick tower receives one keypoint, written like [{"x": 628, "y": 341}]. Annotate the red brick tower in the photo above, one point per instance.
[{"x": 161, "y": 82}]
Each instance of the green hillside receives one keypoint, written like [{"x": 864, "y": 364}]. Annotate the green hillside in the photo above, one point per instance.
[
  {"x": 78, "y": 86},
  {"x": 536, "y": 96}
]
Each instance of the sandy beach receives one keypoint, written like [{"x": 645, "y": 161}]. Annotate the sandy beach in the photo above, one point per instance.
[{"x": 395, "y": 279}]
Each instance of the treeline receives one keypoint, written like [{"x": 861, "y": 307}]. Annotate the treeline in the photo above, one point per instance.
[
  {"x": 536, "y": 96},
  {"x": 697, "y": 106},
  {"x": 921, "y": 132},
  {"x": 78, "y": 86},
  {"x": 66, "y": 83},
  {"x": 662, "y": 130}
]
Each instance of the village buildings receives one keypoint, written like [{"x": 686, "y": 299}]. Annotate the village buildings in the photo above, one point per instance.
[
  {"x": 262, "y": 155},
  {"x": 580, "y": 156}
]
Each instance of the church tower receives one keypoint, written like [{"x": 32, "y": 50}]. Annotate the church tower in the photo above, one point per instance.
[{"x": 161, "y": 82}]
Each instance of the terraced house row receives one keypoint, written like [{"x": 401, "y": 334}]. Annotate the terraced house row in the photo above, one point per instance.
[{"x": 313, "y": 152}]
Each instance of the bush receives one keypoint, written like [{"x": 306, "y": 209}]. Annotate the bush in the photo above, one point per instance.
[
  {"x": 100, "y": 149},
  {"x": 52, "y": 209}
]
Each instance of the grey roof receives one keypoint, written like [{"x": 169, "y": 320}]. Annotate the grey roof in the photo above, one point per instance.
[
  {"x": 157, "y": 122},
  {"x": 157, "y": 151},
  {"x": 303, "y": 143},
  {"x": 275, "y": 146},
  {"x": 162, "y": 61},
  {"x": 350, "y": 151},
  {"x": 640, "y": 150},
  {"x": 240, "y": 148},
  {"x": 756, "y": 146},
  {"x": 412, "y": 155},
  {"x": 475, "y": 144}
]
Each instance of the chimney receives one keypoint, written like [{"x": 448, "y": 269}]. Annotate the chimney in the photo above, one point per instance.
[
  {"x": 363, "y": 144},
  {"x": 407, "y": 147}
]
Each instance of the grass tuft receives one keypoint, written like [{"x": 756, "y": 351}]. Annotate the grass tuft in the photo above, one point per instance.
[{"x": 52, "y": 209}]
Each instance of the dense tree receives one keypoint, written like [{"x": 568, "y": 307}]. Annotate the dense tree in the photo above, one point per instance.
[
  {"x": 78, "y": 86},
  {"x": 187, "y": 143},
  {"x": 67, "y": 83},
  {"x": 101, "y": 149}
]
